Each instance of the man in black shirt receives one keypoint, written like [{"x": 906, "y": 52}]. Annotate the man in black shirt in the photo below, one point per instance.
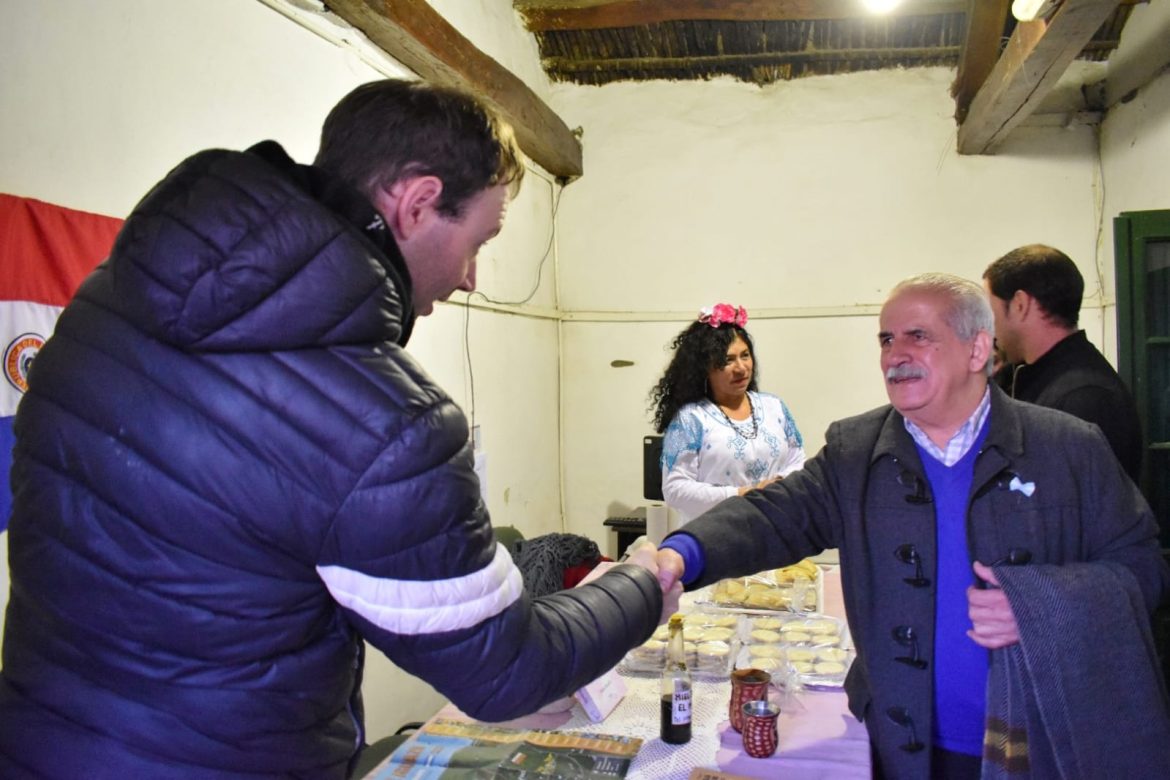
[{"x": 1035, "y": 293}]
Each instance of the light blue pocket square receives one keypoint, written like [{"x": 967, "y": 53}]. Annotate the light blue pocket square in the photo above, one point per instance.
[{"x": 1027, "y": 488}]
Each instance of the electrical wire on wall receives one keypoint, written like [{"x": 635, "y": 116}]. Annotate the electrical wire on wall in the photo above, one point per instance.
[
  {"x": 555, "y": 191},
  {"x": 1099, "y": 214}
]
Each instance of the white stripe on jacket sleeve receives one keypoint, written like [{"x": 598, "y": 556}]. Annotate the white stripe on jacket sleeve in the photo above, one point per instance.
[{"x": 416, "y": 607}]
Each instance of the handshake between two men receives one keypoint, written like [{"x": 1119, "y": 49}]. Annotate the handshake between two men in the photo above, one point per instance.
[{"x": 649, "y": 557}]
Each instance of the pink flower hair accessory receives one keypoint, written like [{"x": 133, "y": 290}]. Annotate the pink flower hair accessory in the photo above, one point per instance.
[{"x": 723, "y": 314}]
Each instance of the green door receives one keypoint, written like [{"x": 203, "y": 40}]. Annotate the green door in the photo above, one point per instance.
[{"x": 1142, "y": 257}]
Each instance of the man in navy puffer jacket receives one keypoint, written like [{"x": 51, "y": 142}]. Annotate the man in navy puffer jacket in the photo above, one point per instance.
[{"x": 228, "y": 471}]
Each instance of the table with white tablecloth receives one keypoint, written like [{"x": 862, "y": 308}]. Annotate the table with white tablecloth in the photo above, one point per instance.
[{"x": 819, "y": 738}]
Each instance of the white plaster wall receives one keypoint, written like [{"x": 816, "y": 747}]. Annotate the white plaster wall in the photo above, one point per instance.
[
  {"x": 100, "y": 100},
  {"x": 854, "y": 174},
  {"x": 1135, "y": 136},
  {"x": 815, "y": 194},
  {"x": 1135, "y": 147}
]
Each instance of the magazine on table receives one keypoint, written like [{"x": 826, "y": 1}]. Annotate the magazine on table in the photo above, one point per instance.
[{"x": 457, "y": 750}]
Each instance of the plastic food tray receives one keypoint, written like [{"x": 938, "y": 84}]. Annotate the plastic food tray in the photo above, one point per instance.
[
  {"x": 811, "y": 650},
  {"x": 713, "y": 640},
  {"x": 760, "y": 593}
]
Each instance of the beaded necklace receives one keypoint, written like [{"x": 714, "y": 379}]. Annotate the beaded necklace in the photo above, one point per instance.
[{"x": 735, "y": 426}]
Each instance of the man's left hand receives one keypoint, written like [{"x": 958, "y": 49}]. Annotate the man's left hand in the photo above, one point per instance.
[{"x": 993, "y": 625}]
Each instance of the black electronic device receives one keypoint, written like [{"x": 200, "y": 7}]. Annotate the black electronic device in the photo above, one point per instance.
[{"x": 652, "y": 468}]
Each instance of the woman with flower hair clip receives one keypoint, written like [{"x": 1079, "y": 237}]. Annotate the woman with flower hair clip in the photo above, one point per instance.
[{"x": 722, "y": 437}]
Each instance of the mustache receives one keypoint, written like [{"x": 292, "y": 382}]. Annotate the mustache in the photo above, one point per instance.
[{"x": 905, "y": 372}]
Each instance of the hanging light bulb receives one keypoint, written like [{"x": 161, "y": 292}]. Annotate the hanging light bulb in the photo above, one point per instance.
[
  {"x": 1031, "y": 10},
  {"x": 880, "y": 6}
]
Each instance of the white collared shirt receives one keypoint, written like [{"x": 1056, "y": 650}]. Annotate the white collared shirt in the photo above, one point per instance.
[{"x": 961, "y": 442}]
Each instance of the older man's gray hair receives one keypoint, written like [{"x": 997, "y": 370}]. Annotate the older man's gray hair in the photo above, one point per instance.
[{"x": 968, "y": 311}]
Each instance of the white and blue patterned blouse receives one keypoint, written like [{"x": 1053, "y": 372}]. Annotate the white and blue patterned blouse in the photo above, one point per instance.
[{"x": 707, "y": 458}]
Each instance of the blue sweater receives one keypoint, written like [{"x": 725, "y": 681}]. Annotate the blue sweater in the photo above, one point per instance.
[{"x": 960, "y": 665}]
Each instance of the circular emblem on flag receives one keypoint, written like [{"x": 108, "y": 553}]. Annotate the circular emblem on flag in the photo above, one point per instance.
[{"x": 18, "y": 358}]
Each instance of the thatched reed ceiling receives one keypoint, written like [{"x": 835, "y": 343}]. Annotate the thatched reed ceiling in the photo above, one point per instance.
[{"x": 600, "y": 41}]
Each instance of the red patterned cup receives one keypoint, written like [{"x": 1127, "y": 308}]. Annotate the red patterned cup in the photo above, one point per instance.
[
  {"x": 759, "y": 728},
  {"x": 746, "y": 685}
]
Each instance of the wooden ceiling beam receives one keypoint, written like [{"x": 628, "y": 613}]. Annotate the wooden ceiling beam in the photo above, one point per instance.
[
  {"x": 549, "y": 15},
  {"x": 413, "y": 33},
  {"x": 1036, "y": 56},
  {"x": 985, "y": 25}
]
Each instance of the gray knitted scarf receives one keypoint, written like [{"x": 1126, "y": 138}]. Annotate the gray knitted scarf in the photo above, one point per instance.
[{"x": 1081, "y": 695}]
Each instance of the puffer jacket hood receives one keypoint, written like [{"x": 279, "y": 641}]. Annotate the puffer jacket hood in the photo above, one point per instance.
[{"x": 201, "y": 268}]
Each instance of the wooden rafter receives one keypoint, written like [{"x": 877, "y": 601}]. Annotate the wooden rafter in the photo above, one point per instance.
[
  {"x": 985, "y": 25},
  {"x": 1031, "y": 64},
  {"x": 413, "y": 33},
  {"x": 547, "y": 15}
]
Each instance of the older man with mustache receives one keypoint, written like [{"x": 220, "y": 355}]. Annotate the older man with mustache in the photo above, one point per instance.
[{"x": 929, "y": 500}]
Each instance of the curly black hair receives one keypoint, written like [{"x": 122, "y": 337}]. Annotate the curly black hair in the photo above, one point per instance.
[{"x": 697, "y": 350}]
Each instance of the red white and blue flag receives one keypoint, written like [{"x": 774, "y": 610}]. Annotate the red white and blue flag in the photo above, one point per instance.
[{"x": 45, "y": 253}]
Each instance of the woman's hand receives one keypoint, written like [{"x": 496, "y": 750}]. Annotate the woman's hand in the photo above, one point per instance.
[{"x": 759, "y": 485}]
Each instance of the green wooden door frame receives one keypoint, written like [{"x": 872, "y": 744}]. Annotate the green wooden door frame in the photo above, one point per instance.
[{"x": 1144, "y": 357}]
